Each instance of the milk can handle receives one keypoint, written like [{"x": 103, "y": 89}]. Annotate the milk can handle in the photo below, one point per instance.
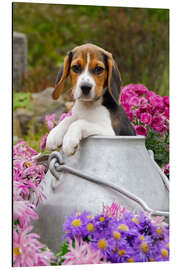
[{"x": 57, "y": 165}]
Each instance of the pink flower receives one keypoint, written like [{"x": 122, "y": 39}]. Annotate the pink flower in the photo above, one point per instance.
[
  {"x": 64, "y": 115},
  {"x": 24, "y": 212},
  {"x": 27, "y": 250},
  {"x": 140, "y": 89},
  {"x": 166, "y": 112},
  {"x": 166, "y": 169},
  {"x": 134, "y": 101},
  {"x": 146, "y": 118},
  {"x": 50, "y": 120},
  {"x": 158, "y": 123},
  {"x": 157, "y": 101},
  {"x": 114, "y": 210},
  {"x": 43, "y": 142},
  {"x": 166, "y": 100},
  {"x": 83, "y": 253},
  {"x": 141, "y": 130}
]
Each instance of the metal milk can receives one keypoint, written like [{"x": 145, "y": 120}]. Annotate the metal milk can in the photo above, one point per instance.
[{"x": 103, "y": 170}]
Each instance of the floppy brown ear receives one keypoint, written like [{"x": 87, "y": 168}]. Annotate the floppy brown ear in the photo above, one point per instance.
[
  {"x": 62, "y": 75},
  {"x": 114, "y": 80}
]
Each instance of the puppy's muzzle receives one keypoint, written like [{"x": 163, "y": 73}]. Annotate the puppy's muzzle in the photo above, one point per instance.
[{"x": 86, "y": 88}]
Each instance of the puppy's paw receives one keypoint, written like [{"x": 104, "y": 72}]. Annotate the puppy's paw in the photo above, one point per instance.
[
  {"x": 54, "y": 139},
  {"x": 70, "y": 144}
]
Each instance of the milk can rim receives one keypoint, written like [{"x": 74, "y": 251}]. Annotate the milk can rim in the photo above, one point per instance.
[{"x": 138, "y": 137}]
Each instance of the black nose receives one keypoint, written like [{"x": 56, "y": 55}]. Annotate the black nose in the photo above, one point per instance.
[{"x": 86, "y": 88}]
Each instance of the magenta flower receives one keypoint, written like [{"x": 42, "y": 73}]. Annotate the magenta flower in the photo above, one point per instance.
[
  {"x": 82, "y": 253},
  {"x": 134, "y": 101},
  {"x": 27, "y": 250},
  {"x": 158, "y": 123},
  {"x": 166, "y": 169},
  {"x": 43, "y": 142},
  {"x": 146, "y": 118},
  {"x": 166, "y": 100},
  {"x": 141, "y": 130}
]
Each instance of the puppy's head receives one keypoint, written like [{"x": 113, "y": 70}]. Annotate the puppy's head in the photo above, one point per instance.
[{"x": 92, "y": 71}]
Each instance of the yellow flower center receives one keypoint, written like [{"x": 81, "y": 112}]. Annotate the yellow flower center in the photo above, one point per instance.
[
  {"x": 142, "y": 237},
  {"x": 78, "y": 214},
  {"x": 144, "y": 247},
  {"x": 122, "y": 252},
  {"x": 159, "y": 231},
  {"x": 90, "y": 227},
  {"x": 151, "y": 259},
  {"x": 116, "y": 235},
  {"x": 17, "y": 251},
  {"x": 135, "y": 220},
  {"x": 90, "y": 217},
  {"x": 164, "y": 252},
  {"x": 76, "y": 223},
  {"x": 28, "y": 164},
  {"x": 102, "y": 219},
  {"x": 130, "y": 260},
  {"x": 123, "y": 227},
  {"x": 102, "y": 244}
]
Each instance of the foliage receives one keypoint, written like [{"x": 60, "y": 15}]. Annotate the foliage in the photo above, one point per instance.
[
  {"x": 21, "y": 100},
  {"x": 138, "y": 38}
]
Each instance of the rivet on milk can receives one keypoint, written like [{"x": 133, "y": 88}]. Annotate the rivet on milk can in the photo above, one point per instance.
[{"x": 103, "y": 170}]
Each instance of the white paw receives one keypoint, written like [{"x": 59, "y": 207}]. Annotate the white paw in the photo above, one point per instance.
[
  {"x": 55, "y": 138},
  {"x": 70, "y": 144}
]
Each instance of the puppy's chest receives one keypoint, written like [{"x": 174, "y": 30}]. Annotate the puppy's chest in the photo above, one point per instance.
[{"x": 93, "y": 113}]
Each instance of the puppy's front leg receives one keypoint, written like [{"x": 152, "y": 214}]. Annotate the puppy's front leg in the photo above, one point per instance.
[
  {"x": 56, "y": 135},
  {"x": 81, "y": 129}
]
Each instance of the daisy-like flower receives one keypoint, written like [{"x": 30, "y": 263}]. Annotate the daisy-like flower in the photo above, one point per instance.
[
  {"x": 27, "y": 250},
  {"x": 114, "y": 210},
  {"x": 128, "y": 238},
  {"x": 82, "y": 253},
  {"x": 77, "y": 225},
  {"x": 24, "y": 212}
]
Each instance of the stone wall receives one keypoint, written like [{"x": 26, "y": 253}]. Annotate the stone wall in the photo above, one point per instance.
[{"x": 19, "y": 58}]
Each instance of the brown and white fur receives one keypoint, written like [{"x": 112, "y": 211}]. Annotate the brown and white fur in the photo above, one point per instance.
[{"x": 96, "y": 89}]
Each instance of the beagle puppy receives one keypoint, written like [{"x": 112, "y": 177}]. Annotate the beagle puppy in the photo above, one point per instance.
[{"x": 96, "y": 90}]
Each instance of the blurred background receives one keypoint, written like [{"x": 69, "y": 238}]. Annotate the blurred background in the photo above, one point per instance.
[{"x": 138, "y": 38}]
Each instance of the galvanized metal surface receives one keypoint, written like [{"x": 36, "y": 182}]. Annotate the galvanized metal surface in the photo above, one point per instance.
[{"x": 122, "y": 163}]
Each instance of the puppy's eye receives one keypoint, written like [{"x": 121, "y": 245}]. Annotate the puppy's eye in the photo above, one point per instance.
[
  {"x": 97, "y": 70},
  {"x": 76, "y": 68}
]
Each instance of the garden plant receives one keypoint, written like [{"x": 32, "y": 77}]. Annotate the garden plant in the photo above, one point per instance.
[{"x": 115, "y": 234}]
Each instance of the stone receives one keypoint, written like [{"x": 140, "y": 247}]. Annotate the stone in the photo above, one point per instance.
[
  {"x": 41, "y": 105},
  {"x": 19, "y": 59}
]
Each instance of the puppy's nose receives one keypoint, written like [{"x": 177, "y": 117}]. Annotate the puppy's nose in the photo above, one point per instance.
[{"x": 86, "y": 88}]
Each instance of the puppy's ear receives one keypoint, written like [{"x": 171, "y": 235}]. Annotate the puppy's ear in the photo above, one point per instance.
[
  {"x": 62, "y": 75},
  {"x": 113, "y": 79}
]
